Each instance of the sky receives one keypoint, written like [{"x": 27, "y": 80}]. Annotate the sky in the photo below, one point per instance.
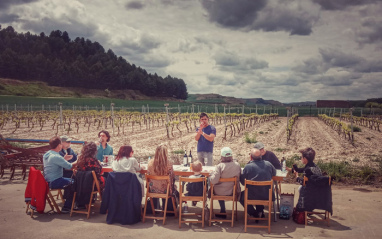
[{"x": 284, "y": 50}]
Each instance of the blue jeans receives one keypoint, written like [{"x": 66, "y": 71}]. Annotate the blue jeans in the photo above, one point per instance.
[
  {"x": 59, "y": 183},
  {"x": 203, "y": 155}
]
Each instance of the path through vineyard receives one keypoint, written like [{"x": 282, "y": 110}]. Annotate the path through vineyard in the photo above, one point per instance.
[{"x": 307, "y": 131}]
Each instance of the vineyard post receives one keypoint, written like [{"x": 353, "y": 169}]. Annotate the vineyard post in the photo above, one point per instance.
[
  {"x": 112, "y": 116},
  {"x": 179, "y": 109},
  {"x": 16, "y": 108},
  {"x": 242, "y": 112},
  {"x": 334, "y": 110},
  {"x": 148, "y": 109},
  {"x": 198, "y": 109},
  {"x": 2, "y": 108},
  {"x": 28, "y": 107},
  {"x": 351, "y": 125},
  {"x": 310, "y": 111},
  {"x": 60, "y": 104},
  {"x": 43, "y": 107},
  {"x": 361, "y": 112},
  {"x": 340, "y": 114},
  {"x": 7, "y": 108},
  {"x": 167, "y": 118},
  {"x": 256, "y": 109},
  {"x": 229, "y": 109},
  {"x": 225, "y": 122},
  {"x": 264, "y": 110}
]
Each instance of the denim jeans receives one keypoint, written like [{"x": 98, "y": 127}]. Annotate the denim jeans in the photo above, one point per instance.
[
  {"x": 203, "y": 155},
  {"x": 60, "y": 183}
]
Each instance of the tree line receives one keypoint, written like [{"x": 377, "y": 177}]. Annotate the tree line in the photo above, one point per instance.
[{"x": 60, "y": 61}]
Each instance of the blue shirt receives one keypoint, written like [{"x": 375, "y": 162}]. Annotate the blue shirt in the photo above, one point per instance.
[
  {"x": 53, "y": 165},
  {"x": 103, "y": 151},
  {"x": 203, "y": 144}
]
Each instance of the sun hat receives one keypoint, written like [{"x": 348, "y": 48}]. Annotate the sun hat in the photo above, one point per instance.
[
  {"x": 65, "y": 138},
  {"x": 226, "y": 152},
  {"x": 258, "y": 145}
]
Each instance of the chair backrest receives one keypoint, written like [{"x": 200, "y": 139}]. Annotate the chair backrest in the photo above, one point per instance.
[
  {"x": 192, "y": 180},
  {"x": 258, "y": 183},
  {"x": 226, "y": 180},
  {"x": 150, "y": 178},
  {"x": 306, "y": 179}
]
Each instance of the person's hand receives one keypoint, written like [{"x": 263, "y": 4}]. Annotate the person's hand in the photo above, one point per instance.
[
  {"x": 296, "y": 174},
  {"x": 143, "y": 167},
  {"x": 68, "y": 157}
]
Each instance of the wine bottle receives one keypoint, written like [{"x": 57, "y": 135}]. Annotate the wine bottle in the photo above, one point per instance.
[
  {"x": 185, "y": 158},
  {"x": 190, "y": 157}
]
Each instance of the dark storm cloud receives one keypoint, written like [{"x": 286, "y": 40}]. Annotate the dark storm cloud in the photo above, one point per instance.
[
  {"x": 341, "y": 4},
  {"x": 371, "y": 31},
  {"x": 343, "y": 80},
  {"x": 257, "y": 15},
  {"x": 228, "y": 61},
  {"x": 8, "y": 18},
  {"x": 144, "y": 45},
  {"x": 311, "y": 66},
  {"x": 233, "y": 13},
  {"x": 135, "y": 5},
  {"x": 5, "y": 4},
  {"x": 218, "y": 80},
  {"x": 337, "y": 58},
  {"x": 70, "y": 25}
]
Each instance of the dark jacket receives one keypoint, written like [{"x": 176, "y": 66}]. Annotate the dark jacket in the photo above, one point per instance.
[
  {"x": 36, "y": 190},
  {"x": 122, "y": 198},
  {"x": 318, "y": 194},
  {"x": 67, "y": 173},
  {"x": 195, "y": 189},
  {"x": 83, "y": 185}
]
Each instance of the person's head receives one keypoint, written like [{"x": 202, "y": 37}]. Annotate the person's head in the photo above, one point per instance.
[
  {"x": 255, "y": 154},
  {"x": 203, "y": 118},
  {"x": 196, "y": 166},
  {"x": 307, "y": 155},
  {"x": 226, "y": 155},
  {"x": 55, "y": 143},
  {"x": 125, "y": 151},
  {"x": 161, "y": 160},
  {"x": 104, "y": 135},
  {"x": 65, "y": 141},
  {"x": 89, "y": 150},
  {"x": 260, "y": 146}
]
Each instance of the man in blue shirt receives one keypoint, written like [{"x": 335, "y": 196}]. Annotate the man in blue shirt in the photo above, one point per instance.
[
  {"x": 66, "y": 150},
  {"x": 103, "y": 147},
  {"x": 54, "y": 164},
  {"x": 205, "y": 135}
]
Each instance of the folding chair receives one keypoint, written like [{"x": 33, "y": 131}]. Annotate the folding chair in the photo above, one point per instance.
[
  {"x": 152, "y": 195},
  {"x": 232, "y": 198},
  {"x": 53, "y": 201},
  {"x": 258, "y": 202},
  {"x": 184, "y": 198},
  {"x": 92, "y": 194},
  {"x": 324, "y": 213}
]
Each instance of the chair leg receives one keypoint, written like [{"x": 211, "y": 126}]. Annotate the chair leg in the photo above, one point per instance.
[
  {"x": 174, "y": 207},
  {"x": 73, "y": 202},
  {"x": 165, "y": 211},
  {"x": 211, "y": 210},
  {"x": 245, "y": 217},
  {"x": 180, "y": 212},
  {"x": 54, "y": 202},
  {"x": 144, "y": 210},
  {"x": 89, "y": 205}
]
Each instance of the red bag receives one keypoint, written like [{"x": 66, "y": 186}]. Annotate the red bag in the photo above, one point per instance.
[{"x": 298, "y": 217}]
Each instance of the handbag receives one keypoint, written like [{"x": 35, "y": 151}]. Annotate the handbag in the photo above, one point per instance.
[{"x": 298, "y": 217}]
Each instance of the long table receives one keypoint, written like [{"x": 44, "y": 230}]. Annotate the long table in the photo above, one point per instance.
[{"x": 181, "y": 170}]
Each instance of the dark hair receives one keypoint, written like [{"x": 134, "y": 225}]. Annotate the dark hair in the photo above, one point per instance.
[
  {"x": 202, "y": 115},
  {"x": 308, "y": 153},
  {"x": 226, "y": 159},
  {"x": 89, "y": 150},
  {"x": 106, "y": 133},
  {"x": 124, "y": 151},
  {"x": 54, "y": 142}
]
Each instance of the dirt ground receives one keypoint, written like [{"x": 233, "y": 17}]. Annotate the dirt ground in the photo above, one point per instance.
[{"x": 307, "y": 132}]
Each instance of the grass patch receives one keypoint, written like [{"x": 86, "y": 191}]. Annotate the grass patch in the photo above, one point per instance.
[
  {"x": 356, "y": 160},
  {"x": 178, "y": 151},
  {"x": 339, "y": 170},
  {"x": 250, "y": 139},
  {"x": 279, "y": 149},
  {"x": 261, "y": 132},
  {"x": 278, "y": 121},
  {"x": 355, "y": 128}
]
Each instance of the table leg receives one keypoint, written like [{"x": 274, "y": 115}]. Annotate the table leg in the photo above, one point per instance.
[{"x": 277, "y": 200}]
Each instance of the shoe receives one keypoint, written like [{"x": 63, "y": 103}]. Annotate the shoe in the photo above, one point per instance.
[
  {"x": 221, "y": 216},
  {"x": 65, "y": 210},
  {"x": 76, "y": 208},
  {"x": 194, "y": 203}
]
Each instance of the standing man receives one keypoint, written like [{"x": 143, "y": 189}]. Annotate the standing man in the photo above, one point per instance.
[
  {"x": 257, "y": 170},
  {"x": 103, "y": 147},
  {"x": 268, "y": 155},
  {"x": 54, "y": 164},
  {"x": 205, "y": 135},
  {"x": 66, "y": 150}
]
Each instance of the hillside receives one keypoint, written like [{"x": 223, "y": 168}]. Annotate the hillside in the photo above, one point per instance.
[{"x": 219, "y": 99}]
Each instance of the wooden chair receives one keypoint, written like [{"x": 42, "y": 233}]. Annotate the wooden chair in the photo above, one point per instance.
[
  {"x": 92, "y": 194},
  {"x": 258, "y": 202},
  {"x": 324, "y": 213},
  {"x": 52, "y": 199},
  {"x": 184, "y": 198},
  {"x": 152, "y": 195},
  {"x": 232, "y": 198}
]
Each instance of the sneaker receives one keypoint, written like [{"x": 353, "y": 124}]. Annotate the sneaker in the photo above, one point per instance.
[
  {"x": 194, "y": 203},
  {"x": 65, "y": 210}
]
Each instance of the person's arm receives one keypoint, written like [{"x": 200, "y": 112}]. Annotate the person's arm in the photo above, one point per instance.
[
  {"x": 275, "y": 161},
  {"x": 243, "y": 176},
  {"x": 209, "y": 137},
  {"x": 198, "y": 133},
  {"x": 136, "y": 165},
  {"x": 215, "y": 175}
]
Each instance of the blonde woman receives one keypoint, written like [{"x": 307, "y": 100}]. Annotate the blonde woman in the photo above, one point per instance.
[{"x": 161, "y": 166}]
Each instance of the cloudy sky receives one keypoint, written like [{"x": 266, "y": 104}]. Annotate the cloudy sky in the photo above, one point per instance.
[{"x": 283, "y": 50}]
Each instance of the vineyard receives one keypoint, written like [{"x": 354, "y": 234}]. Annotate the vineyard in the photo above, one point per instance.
[{"x": 145, "y": 131}]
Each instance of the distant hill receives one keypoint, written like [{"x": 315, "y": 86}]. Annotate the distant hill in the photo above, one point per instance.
[{"x": 219, "y": 99}]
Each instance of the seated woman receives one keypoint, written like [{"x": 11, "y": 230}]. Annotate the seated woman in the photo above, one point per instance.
[
  {"x": 307, "y": 157},
  {"x": 226, "y": 169},
  {"x": 87, "y": 161},
  {"x": 161, "y": 166},
  {"x": 125, "y": 162}
]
